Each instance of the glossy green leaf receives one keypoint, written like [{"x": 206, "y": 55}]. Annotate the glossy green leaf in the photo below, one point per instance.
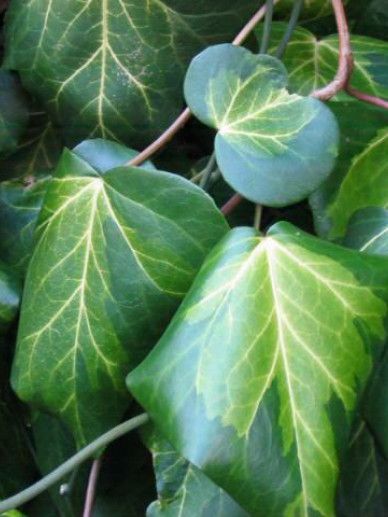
[
  {"x": 364, "y": 477},
  {"x": 13, "y": 112},
  {"x": 354, "y": 139},
  {"x": 365, "y": 185},
  {"x": 20, "y": 204},
  {"x": 272, "y": 147},
  {"x": 10, "y": 291},
  {"x": 183, "y": 489},
  {"x": 116, "y": 251},
  {"x": 114, "y": 68},
  {"x": 37, "y": 151},
  {"x": 368, "y": 231},
  {"x": 257, "y": 377},
  {"x": 312, "y": 63}
]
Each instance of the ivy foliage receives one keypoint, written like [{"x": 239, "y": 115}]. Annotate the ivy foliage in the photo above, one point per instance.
[{"x": 231, "y": 280}]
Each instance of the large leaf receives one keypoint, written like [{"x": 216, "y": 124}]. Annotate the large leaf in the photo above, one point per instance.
[
  {"x": 182, "y": 488},
  {"x": 114, "y": 68},
  {"x": 116, "y": 252},
  {"x": 312, "y": 63},
  {"x": 13, "y": 112},
  {"x": 272, "y": 147},
  {"x": 258, "y": 375},
  {"x": 364, "y": 477},
  {"x": 366, "y": 184},
  {"x": 368, "y": 231}
]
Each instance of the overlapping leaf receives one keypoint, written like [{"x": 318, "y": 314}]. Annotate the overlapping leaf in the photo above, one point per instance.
[
  {"x": 311, "y": 8},
  {"x": 183, "y": 489},
  {"x": 256, "y": 379},
  {"x": 267, "y": 139},
  {"x": 9, "y": 296},
  {"x": 312, "y": 63},
  {"x": 368, "y": 231},
  {"x": 114, "y": 68},
  {"x": 13, "y": 112},
  {"x": 116, "y": 252}
]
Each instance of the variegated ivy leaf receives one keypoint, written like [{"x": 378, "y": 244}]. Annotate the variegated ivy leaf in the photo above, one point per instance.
[
  {"x": 182, "y": 488},
  {"x": 312, "y": 63},
  {"x": 365, "y": 185},
  {"x": 272, "y": 147},
  {"x": 117, "y": 249},
  {"x": 13, "y": 112},
  {"x": 259, "y": 373},
  {"x": 114, "y": 68}
]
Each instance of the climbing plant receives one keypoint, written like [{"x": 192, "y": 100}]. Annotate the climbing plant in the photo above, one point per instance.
[{"x": 193, "y": 248}]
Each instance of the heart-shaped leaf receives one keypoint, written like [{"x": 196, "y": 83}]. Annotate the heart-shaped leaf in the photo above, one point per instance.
[
  {"x": 312, "y": 63},
  {"x": 13, "y": 112},
  {"x": 116, "y": 251},
  {"x": 272, "y": 147},
  {"x": 114, "y": 68},
  {"x": 257, "y": 377}
]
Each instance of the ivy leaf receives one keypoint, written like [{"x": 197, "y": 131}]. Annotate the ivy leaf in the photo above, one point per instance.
[
  {"x": 276, "y": 339},
  {"x": 37, "y": 151},
  {"x": 9, "y": 296},
  {"x": 13, "y": 112},
  {"x": 267, "y": 139},
  {"x": 368, "y": 231},
  {"x": 364, "y": 477},
  {"x": 311, "y": 9},
  {"x": 354, "y": 139},
  {"x": 312, "y": 63},
  {"x": 20, "y": 204},
  {"x": 182, "y": 488},
  {"x": 119, "y": 64},
  {"x": 116, "y": 251},
  {"x": 365, "y": 185}
]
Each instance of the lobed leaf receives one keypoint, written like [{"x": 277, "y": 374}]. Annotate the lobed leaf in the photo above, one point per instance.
[
  {"x": 257, "y": 377},
  {"x": 272, "y": 147},
  {"x": 117, "y": 248}
]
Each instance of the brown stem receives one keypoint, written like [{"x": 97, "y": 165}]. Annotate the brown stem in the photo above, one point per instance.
[
  {"x": 365, "y": 97},
  {"x": 231, "y": 204},
  {"x": 345, "y": 62},
  {"x": 184, "y": 117},
  {"x": 92, "y": 485}
]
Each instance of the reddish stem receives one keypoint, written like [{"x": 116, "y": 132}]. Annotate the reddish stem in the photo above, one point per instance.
[
  {"x": 92, "y": 485},
  {"x": 345, "y": 62},
  {"x": 365, "y": 97},
  {"x": 230, "y": 205}
]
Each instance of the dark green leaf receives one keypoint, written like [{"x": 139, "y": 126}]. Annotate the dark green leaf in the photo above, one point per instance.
[
  {"x": 13, "y": 112},
  {"x": 257, "y": 377},
  {"x": 364, "y": 478},
  {"x": 116, "y": 252},
  {"x": 312, "y": 8},
  {"x": 9, "y": 297},
  {"x": 368, "y": 231},
  {"x": 183, "y": 489},
  {"x": 114, "y": 68},
  {"x": 272, "y": 147},
  {"x": 373, "y": 21},
  {"x": 20, "y": 204}
]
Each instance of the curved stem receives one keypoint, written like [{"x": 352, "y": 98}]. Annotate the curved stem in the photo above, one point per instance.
[
  {"x": 92, "y": 485},
  {"x": 184, "y": 117},
  {"x": 345, "y": 62},
  {"x": 267, "y": 27},
  {"x": 365, "y": 97},
  {"x": 295, "y": 13},
  {"x": 78, "y": 458},
  {"x": 207, "y": 171}
]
